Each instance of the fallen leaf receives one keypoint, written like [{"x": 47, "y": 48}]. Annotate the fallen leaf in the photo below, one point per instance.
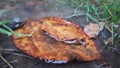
[
  {"x": 93, "y": 29},
  {"x": 41, "y": 45}
]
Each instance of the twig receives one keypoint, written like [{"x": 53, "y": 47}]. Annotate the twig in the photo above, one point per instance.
[
  {"x": 21, "y": 55},
  {"x": 6, "y": 61},
  {"x": 17, "y": 54},
  {"x": 10, "y": 62},
  {"x": 8, "y": 49},
  {"x": 114, "y": 48},
  {"x": 74, "y": 15},
  {"x": 108, "y": 28},
  {"x": 103, "y": 34},
  {"x": 13, "y": 61}
]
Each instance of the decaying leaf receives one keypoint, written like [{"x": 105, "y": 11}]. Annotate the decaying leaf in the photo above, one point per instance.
[
  {"x": 41, "y": 45},
  {"x": 93, "y": 29},
  {"x": 62, "y": 30}
]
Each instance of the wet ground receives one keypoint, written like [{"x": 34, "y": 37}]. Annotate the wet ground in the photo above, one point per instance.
[{"x": 40, "y": 8}]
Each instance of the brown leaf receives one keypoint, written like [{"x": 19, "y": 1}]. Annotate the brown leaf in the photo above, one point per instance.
[
  {"x": 93, "y": 29},
  {"x": 41, "y": 45}
]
